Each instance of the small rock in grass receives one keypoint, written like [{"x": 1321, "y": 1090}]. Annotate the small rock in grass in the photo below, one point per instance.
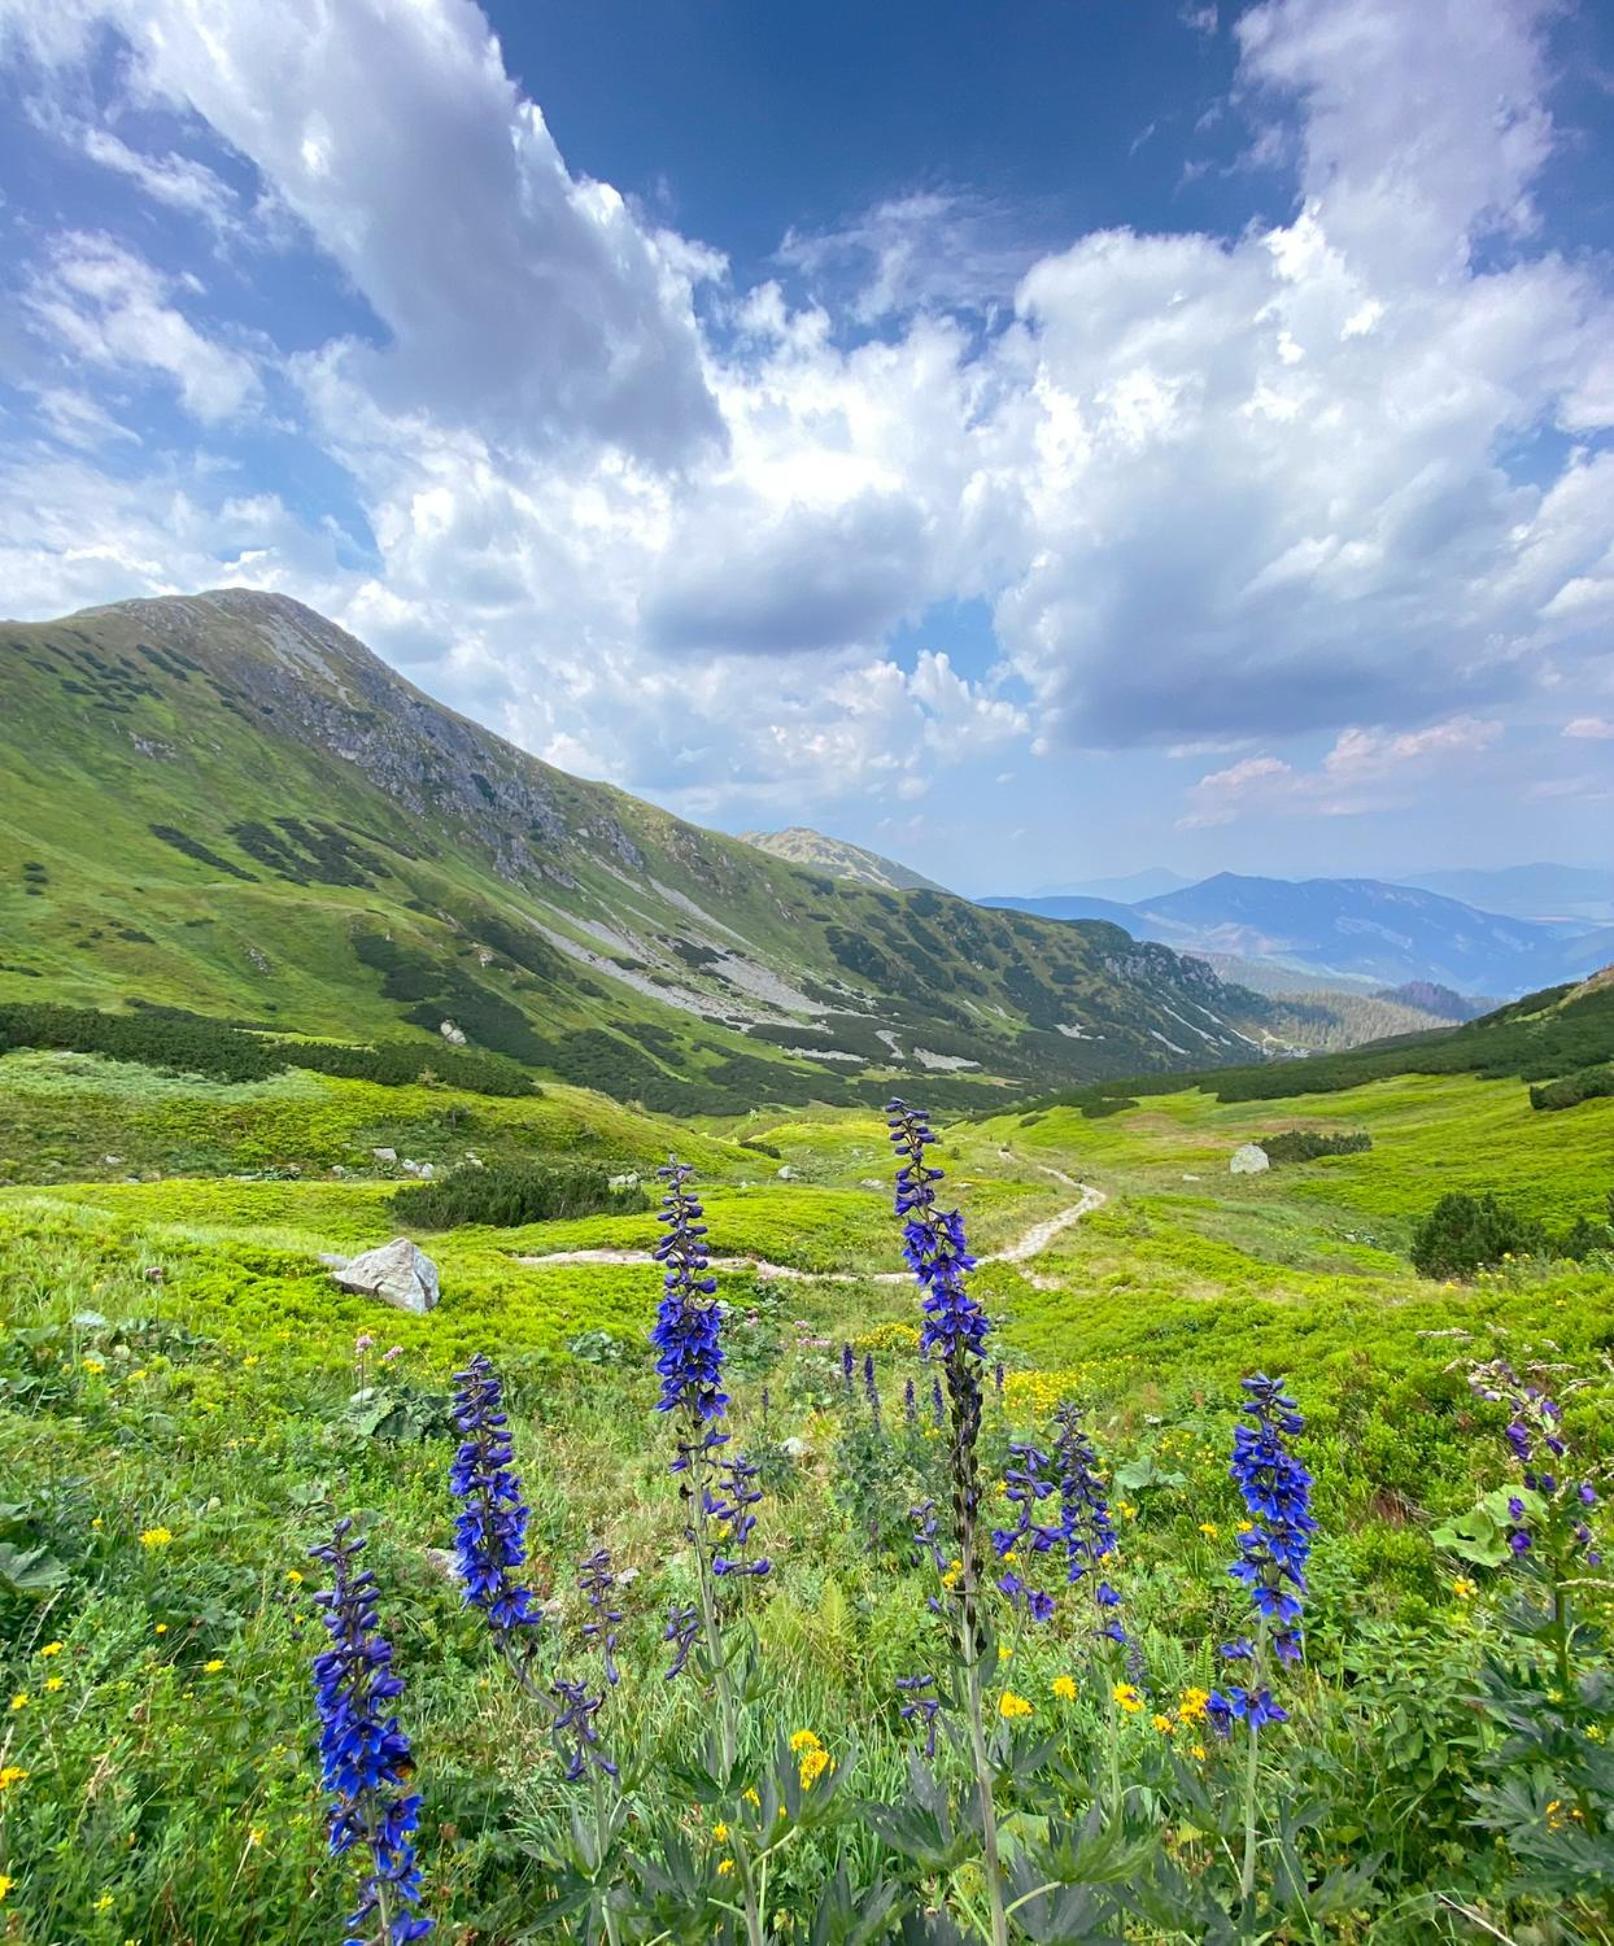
[
  {"x": 399, "y": 1273},
  {"x": 1249, "y": 1161},
  {"x": 385, "y": 1155}
]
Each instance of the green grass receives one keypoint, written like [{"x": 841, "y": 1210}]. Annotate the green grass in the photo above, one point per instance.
[{"x": 169, "y": 1802}]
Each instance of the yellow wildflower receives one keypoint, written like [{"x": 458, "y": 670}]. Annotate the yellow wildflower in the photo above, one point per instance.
[
  {"x": 1193, "y": 1705},
  {"x": 212, "y": 1668},
  {"x": 295, "y": 1577},
  {"x": 1198, "y": 1750},
  {"x": 720, "y": 1832},
  {"x": 51, "y": 1648},
  {"x": 142, "y": 1373},
  {"x": 256, "y": 1836},
  {"x": 1463, "y": 1588},
  {"x": 104, "y": 1904},
  {"x": 813, "y": 1765},
  {"x": 5, "y": 1884},
  {"x": 1010, "y": 1706},
  {"x": 11, "y": 1774},
  {"x": 1127, "y": 1511},
  {"x": 1004, "y": 1652},
  {"x": 160, "y": 1629},
  {"x": 1065, "y": 1688},
  {"x": 724, "y": 1867},
  {"x": 1127, "y": 1697},
  {"x": 951, "y": 1574},
  {"x": 1245, "y": 1527},
  {"x": 1209, "y": 1529},
  {"x": 53, "y": 1682},
  {"x": 94, "y": 1365},
  {"x": 1163, "y": 1724},
  {"x": 155, "y": 1537},
  {"x": 753, "y": 1800},
  {"x": 805, "y": 1740},
  {"x": 20, "y": 1700},
  {"x": 250, "y": 1360}
]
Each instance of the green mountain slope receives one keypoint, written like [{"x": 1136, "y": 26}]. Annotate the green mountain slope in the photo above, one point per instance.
[
  {"x": 224, "y": 803},
  {"x": 1562, "y": 1036},
  {"x": 841, "y": 859}
]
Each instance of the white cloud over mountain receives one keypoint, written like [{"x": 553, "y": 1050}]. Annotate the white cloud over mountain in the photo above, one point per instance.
[{"x": 1336, "y": 477}]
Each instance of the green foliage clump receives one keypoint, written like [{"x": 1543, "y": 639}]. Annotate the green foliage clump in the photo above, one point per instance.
[
  {"x": 1588, "y": 1084},
  {"x": 176, "y": 1042},
  {"x": 508, "y": 1194},
  {"x": 1307, "y": 1144},
  {"x": 1463, "y": 1234}
]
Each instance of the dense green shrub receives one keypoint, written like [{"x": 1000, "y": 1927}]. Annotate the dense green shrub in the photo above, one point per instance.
[
  {"x": 508, "y": 1194},
  {"x": 1463, "y": 1234},
  {"x": 1586, "y": 1085},
  {"x": 177, "y": 1042},
  {"x": 1306, "y": 1144}
]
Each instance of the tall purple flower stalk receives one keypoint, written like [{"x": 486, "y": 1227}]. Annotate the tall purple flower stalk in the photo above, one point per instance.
[
  {"x": 1086, "y": 1530},
  {"x": 718, "y": 1493},
  {"x": 1272, "y": 1565},
  {"x": 1273, "y": 1550},
  {"x": 364, "y": 1755},
  {"x": 953, "y": 1331},
  {"x": 687, "y": 1332},
  {"x": 490, "y": 1531},
  {"x": 1536, "y": 1442},
  {"x": 1026, "y": 1485}
]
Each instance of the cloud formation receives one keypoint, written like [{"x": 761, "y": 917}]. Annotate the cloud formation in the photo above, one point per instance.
[
  {"x": 1336, "y": 475},
  {"x": 1366, "y": 770}
]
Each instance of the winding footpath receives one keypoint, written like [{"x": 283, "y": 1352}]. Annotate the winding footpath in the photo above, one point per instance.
[{"x": 1031, "y": 1243}]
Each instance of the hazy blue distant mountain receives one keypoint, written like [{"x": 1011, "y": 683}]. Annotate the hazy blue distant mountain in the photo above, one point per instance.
[
  {"x": 1071, "y": 905},
  {"x": 1133, "y": 889},
  {"x": 1575, "y": 892},
  {"x": 1351, "y": 928},
  {"x": 1440, "y": 1001}
]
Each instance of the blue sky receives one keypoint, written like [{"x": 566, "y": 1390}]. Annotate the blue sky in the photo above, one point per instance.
[{"x": 1040, "y": 443}]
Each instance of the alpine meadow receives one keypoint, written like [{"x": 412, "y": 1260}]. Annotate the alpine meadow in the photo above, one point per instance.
[{"x": 591, "y": 1350}]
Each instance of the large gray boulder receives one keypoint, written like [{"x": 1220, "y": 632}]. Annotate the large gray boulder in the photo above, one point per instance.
[
  {"x": 1250, "y": 1160},
  {"x": 399, "y": 1273}
]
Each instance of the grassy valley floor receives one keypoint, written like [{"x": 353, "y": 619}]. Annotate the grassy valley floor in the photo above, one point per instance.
[{"x": 183, "y": 1412}]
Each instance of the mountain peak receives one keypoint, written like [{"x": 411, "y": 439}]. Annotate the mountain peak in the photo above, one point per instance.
[{"x": 801, "y": 845}]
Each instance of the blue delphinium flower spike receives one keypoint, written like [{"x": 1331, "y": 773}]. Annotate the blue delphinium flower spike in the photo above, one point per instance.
[
  {"x": 683, "y": 1625},
  {"x": 491, "y": 1528},
  {"x": 1277, "y": 1493},
  {"x": 687, "y": 1332},
  {"x": 598, "y": 1582},
  {"x": 921, "y": 1707},
  {"x": 933, "y": 1243},
  {"x": 575, "y": 1730},
  {"x": 364, "y": 1755},
  {"x": 1536, "y": 1442},
  {"x": 731, "y": 1505}
]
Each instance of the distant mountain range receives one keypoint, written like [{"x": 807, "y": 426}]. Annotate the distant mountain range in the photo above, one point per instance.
[
  {"x": 1352, "y": 929},
  {"x": 1151, "y": 883},
  {"x": 803, "y": 846},
  {"x": 1582, "y": 893},
  {"x": 226, "y": 804}
]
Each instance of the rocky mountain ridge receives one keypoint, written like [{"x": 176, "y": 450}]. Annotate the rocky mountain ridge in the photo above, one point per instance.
[{"x": 225, "y": 803}]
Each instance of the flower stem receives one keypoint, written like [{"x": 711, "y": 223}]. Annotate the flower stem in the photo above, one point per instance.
[
  {"x": 964, "y": 1389},
  {"x": 727, "y": 1709},
  {"x": 1247, "y": 1875}
]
